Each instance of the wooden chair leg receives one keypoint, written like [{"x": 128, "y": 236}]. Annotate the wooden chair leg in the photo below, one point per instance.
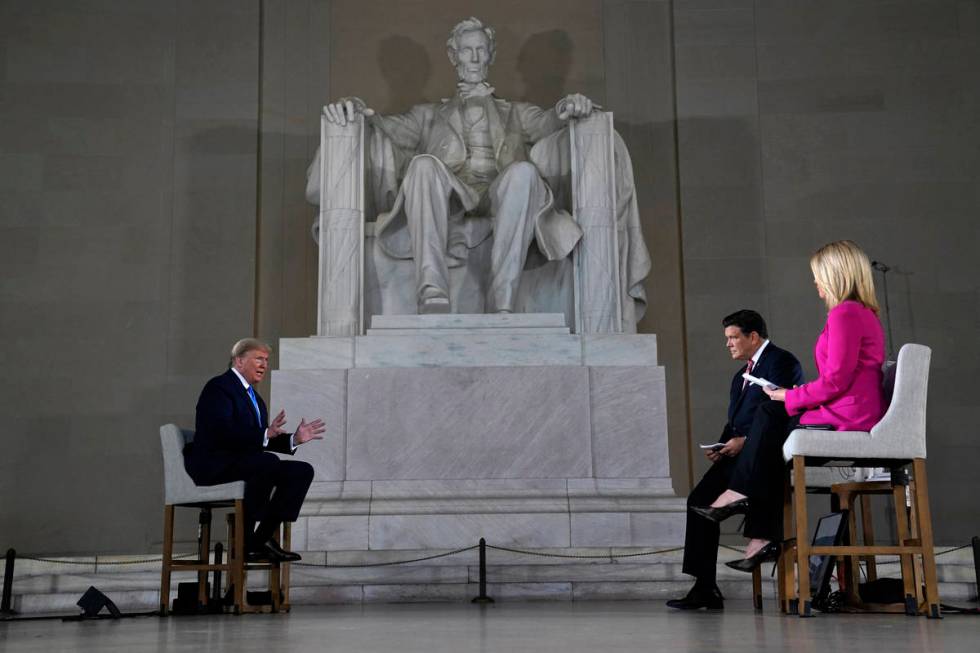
[
  {"x": 802, "y": 544},
  {"x": 238, "y": 551},
  {"x": 841, "y": 562},
  {"x": 787, "y": 579},
  {"x": 757, "y": 588},
  {"x": 907, "y": 561},
  {"x": 287, "y": 541},
  {"x": 203, "y": 556},
  {"x": 852, "y": 574},
  {"x": 166, "y": 564},
  {"x": 274, "y": 578},
  {"x": 868, "y": 533},
  {"x": 920, "y": 498},
  {"x": 917, "y": 572}
]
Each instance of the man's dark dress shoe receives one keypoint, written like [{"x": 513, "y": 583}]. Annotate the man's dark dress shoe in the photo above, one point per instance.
[
  {"x": 270, "y": 551},
  {"x": 699, "y": 598},
  {"x": 739, "y": 507},
  {"x": 768, "y": 553},
  {"x": 285, "y": 556},
  {"x": 259, "y": 555}
]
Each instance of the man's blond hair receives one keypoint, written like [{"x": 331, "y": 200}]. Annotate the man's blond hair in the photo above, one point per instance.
[{"x": 246, "y": 345}]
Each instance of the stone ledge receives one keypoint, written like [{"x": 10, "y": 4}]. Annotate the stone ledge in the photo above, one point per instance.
[{"x": 447, "y": 321}]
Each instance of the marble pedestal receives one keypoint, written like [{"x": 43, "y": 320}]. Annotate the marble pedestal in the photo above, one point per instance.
[{"x": 443, "y": 429}]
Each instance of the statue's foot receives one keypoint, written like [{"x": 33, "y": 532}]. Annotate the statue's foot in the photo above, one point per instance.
[{"x": 433, "y": 300}]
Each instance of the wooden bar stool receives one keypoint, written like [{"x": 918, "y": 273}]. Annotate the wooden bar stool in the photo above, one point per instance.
[
  {"x": 181, "y": 491},
  {"x": 895, "y": 442}
]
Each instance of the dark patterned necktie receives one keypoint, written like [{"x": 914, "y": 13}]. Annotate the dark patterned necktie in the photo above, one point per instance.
[{"x": 745, "y": 382}]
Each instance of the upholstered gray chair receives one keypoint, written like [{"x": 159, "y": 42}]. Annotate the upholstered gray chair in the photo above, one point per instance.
[
  {"x": 180, "y": 490},
  {"x": 897, "y": 441}
]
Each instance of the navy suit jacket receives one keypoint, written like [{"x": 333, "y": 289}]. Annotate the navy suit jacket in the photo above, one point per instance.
[
  {"x": 776, "y": 365},
  {"x": 227, "y": 428}
]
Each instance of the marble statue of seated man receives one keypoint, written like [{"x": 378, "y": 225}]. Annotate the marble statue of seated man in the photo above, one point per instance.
[{"x": 447, "y": 164}]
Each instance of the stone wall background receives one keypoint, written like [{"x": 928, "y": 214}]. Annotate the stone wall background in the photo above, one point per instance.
[
  {"x": 152, "y": 160},
  {"x": 800, "y": 123}
]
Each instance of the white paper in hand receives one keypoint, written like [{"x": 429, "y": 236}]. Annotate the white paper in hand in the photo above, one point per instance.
[
  {"x": 714, "y": 446},
  {"x": 758, "y": 380}
]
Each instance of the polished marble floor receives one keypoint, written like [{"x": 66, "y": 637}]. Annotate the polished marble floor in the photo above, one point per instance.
[{"x": 518, "y": 627}]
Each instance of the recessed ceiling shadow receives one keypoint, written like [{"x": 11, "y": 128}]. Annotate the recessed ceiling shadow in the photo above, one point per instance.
[
  {"x": 543, "y": 64},
  {"x": 406, "y": 69}
]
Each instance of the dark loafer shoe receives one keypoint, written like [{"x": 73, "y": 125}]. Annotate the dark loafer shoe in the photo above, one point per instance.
[
  {"x": 277, "y": 552},
  {"x": 259, "y": 555},
  {"x": 699, "y": 598},
  {"x": 722, "y": 513},
  {"x": 768, "y": 553}
]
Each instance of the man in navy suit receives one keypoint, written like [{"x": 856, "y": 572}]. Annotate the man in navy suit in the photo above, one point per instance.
[
  {"x": 233, "y": 441},
  {"x": 747, "y": 340}
]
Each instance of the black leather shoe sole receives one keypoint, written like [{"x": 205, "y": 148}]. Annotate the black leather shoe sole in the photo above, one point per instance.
[
  {"x": 695, "y": 604},
  {"x": 278, "y": 553},
  {"x": 259, "y": 556}
]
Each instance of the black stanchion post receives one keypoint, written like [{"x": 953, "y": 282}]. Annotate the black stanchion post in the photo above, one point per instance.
[
  {"x": 8, "y": 584},
  {"x": 483, "y": 598}
]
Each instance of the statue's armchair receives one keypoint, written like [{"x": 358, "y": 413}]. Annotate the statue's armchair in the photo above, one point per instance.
[{"x": 358, "y": 280}]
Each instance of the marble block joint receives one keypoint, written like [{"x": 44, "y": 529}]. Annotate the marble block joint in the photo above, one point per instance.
[{"x": 443, "y": 429}]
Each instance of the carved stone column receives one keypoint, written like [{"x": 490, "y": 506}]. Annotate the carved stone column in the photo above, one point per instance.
[
  {"x": 339, "y": 297},
  {"x": 596, "y": 258}
]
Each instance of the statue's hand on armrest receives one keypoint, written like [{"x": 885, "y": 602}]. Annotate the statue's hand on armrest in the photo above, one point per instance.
[
  {"x": 345, "y": 110},
  {"x": 575, "y": 105}
]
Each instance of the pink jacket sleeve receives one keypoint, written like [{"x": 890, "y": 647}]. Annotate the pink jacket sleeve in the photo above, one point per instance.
[{"x": 843, "y": 342}]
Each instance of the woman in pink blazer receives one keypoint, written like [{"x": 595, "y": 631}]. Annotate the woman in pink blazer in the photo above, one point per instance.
[{"x": 846, "y": 396}]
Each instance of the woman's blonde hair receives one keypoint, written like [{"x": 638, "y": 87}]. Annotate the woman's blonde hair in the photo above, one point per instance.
[{"x": 842, "y": 271}]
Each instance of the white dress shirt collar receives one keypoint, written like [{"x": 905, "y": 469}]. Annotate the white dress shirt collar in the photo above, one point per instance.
[
  {"x": 245, "y": 383},
  {"x": 758, "y": 353}
]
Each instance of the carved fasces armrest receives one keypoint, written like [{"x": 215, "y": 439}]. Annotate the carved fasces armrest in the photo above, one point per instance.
[
  {"x": 341, "y": 220},
  {"x": 596, "y": 258}
]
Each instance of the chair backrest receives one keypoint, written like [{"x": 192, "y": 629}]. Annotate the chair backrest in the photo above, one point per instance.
[
  {"x": 904, "y": 423},
  {"x": 177, "y": 483},
  {"x": 888, "y": 380}
]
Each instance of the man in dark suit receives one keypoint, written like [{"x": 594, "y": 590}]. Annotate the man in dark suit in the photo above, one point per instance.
[
  {"x": 746, "y": 337},
  {"x": 233, "y": 441}
]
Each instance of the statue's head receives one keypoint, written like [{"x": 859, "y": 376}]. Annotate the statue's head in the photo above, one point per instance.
[{"x": 471, "y": 48}]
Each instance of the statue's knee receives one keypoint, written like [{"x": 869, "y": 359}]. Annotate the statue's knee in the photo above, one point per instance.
[
  {"x": 522, "y": 171},
  {"x": 424, "y": 164}
]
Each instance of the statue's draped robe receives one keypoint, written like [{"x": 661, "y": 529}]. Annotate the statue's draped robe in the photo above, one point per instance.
[{"x": 520, "y": 132}]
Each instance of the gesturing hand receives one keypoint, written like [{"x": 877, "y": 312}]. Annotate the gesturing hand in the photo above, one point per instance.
[
  {"x": 277, "y": 424},
  {"x": 306, "y": 432}
]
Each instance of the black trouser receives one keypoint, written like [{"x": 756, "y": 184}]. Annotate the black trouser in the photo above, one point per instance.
[
  {"x": 760, "y": 470},
  {"x": 274, "y": 491},
  {"x": 702, "y": 535}
]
